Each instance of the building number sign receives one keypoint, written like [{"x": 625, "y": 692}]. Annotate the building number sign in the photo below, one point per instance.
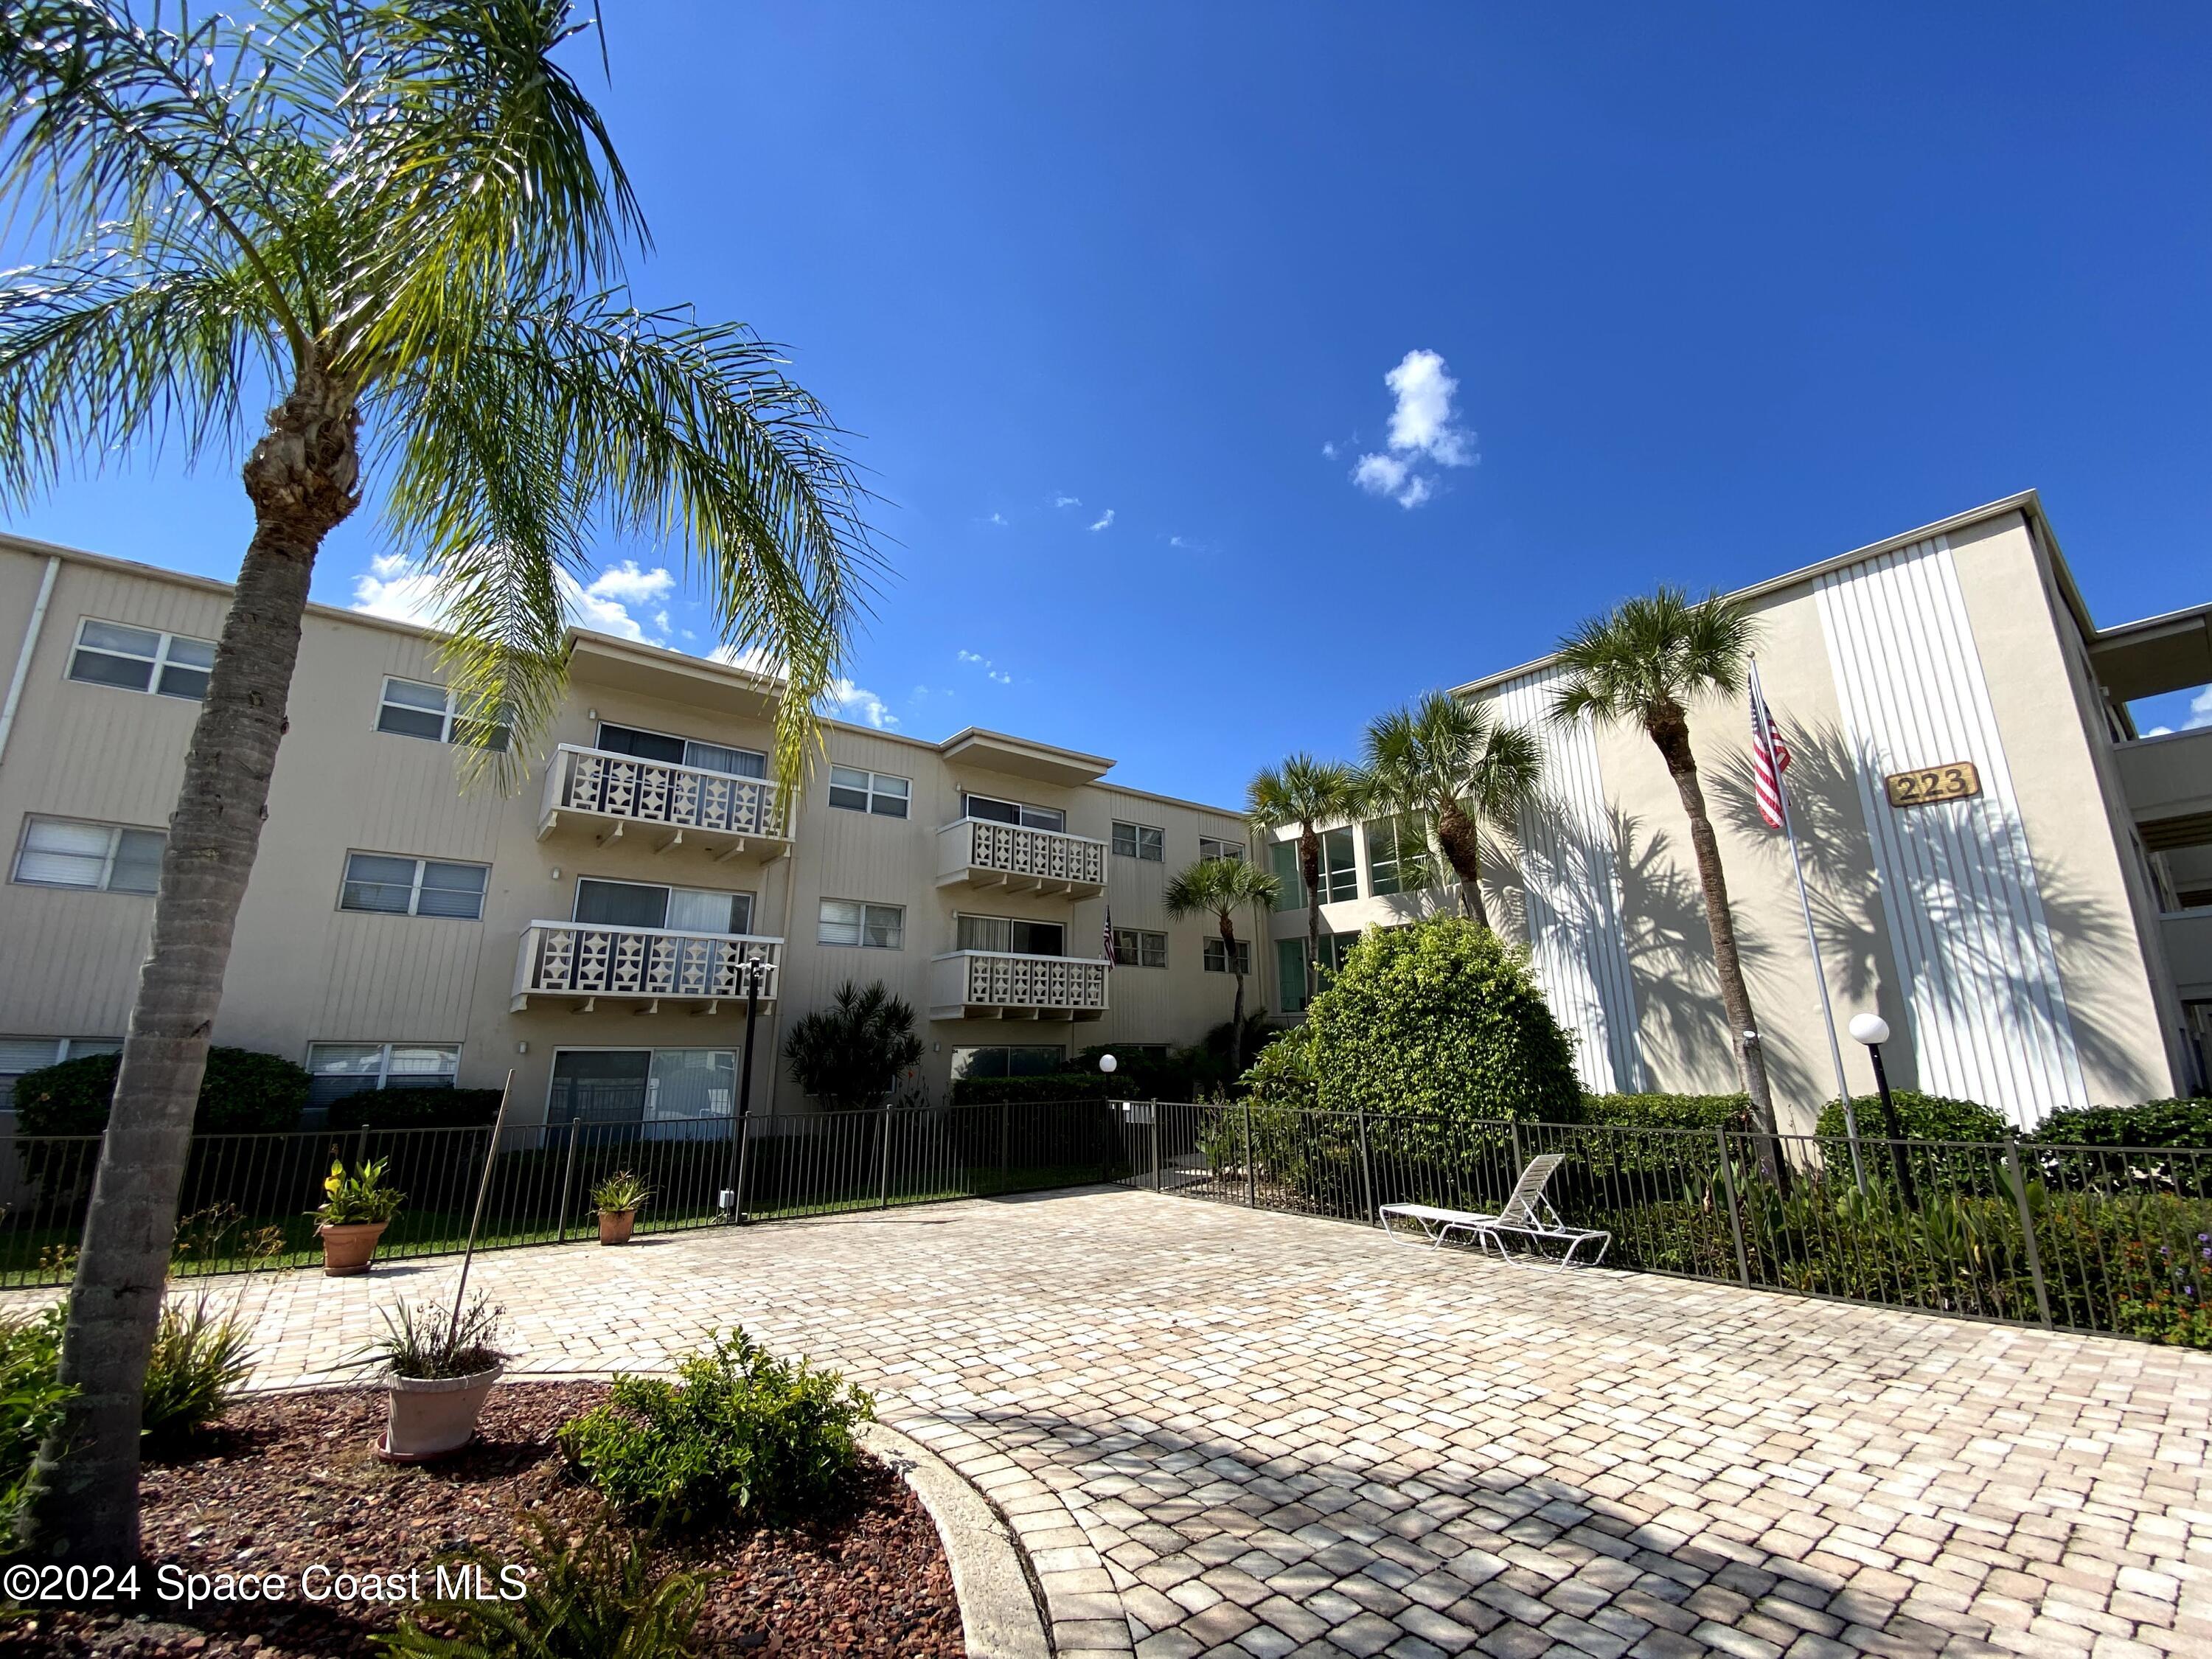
[{"x": 1929, "y": 784}]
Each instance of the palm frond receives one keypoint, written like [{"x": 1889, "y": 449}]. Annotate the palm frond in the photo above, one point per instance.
[
  {"x": 1653, "y": 652},
  {"x": 1219, "y": 888},
  {"x": 1301, "y": 792}
]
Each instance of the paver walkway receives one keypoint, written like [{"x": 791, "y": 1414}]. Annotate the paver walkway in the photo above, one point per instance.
[{"x": 1220, "y": 1432}]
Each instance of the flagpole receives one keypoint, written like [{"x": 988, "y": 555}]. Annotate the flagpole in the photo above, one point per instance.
[{"x": 1764, "y": 727}]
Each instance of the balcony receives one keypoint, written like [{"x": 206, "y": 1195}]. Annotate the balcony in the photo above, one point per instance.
[
  {"x": 979, "y": 852},
  {"x": 995, "y": 985},
  {"x": 578, "y": 963},
  {"x": 2187, "y": 935},
  {"x": 613, "y": 796}
]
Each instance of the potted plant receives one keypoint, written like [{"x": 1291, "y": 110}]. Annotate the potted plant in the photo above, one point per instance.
[
  {"x": 439, "y": 1369},
  {"x": 617, "y": 1198},
  {"x": 357, "y": 1206}
]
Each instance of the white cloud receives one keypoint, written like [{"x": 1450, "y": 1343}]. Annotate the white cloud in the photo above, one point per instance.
[
  {"x": 1067, "y": 501},
  {"x": 990, "y": 671},
  {"x": 751, "y": 658},
  {"x": 631, "y": 585},
  {"x": 998, "y": 518},
  {"x": 857, "y": 703},
  {"x": 1421, "y": 431},
  {"x": 2200, "y": 710},
  {"x": 393, "y": 587},
  {"x": 1328, "y": 451},
  {"x": 1105, "y": 520}
]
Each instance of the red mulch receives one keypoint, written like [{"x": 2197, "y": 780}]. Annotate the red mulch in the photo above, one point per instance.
[{"x": 290, "y": 1481}]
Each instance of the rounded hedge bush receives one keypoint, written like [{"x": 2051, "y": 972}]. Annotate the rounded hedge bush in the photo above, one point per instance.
[
  {"x": 243, "y": 1092},
  {"x": 1923, "y": 1118},
  {"x": 1441, "y": 1020},
  {"x": 2152, "y": 1123}
]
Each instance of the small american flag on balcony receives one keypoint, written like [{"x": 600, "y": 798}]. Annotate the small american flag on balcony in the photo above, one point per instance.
[
  {"x": 1109, "y": 939},
  {"x": 1770, "y": 758}
]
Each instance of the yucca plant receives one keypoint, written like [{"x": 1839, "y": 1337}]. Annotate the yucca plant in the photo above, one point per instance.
[
  {"x": 424, "y": 1341},
  {"x": 399, "y": 228},
  {"x": 620, "y": 1192}
]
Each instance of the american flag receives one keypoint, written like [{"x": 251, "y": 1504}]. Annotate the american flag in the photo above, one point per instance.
[
  {"x": 1109, "y": 939},
  {"x": 1770, "y": 758}
]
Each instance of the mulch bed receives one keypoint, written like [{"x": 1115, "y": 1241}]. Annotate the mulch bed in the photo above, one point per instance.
[{"x": 288, "y": 1482}]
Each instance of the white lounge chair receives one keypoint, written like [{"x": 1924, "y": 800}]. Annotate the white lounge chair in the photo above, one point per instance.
[{"x": 1526, "y": 1213}]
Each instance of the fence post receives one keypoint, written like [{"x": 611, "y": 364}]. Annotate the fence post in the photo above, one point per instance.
[
  {"x": 2027, "y": 1231},
  {"x": 567, "y": 1175},
  {"x": 883, "y": 1159},
  {"x": 1251, "y": 1171},
  {"x": 1157, "y": 1185},
  {"x": 1366, "y": 1172},
  {"x": 1735, "y": 1215}
]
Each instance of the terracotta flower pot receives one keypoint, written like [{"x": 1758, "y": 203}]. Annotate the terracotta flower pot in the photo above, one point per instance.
[
  {"x": 431, "y": 1416},
  {"x": 348, "y": 1246},
  {"x": 615, "y": 1225}
]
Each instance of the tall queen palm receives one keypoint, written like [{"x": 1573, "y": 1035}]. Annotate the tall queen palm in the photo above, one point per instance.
[
  {"x": 1643, "y": 663},
  {"x": 1455, "y": 767},
  {"x": 1308, "y": 793},
  {"x": 1220, "y": 888},
  {"x": 403, "y": 225}
]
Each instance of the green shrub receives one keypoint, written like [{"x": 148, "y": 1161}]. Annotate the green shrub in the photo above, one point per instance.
[
  {"x": 1093, "y": 1084},
  {"x": 1282, "y": 1075},
  {"x": 198, "y": 1364},
  {"x": 242, "y": 1093},
  {"x": 1668, "y": 1111},
  {"x": 853, "y": 1052},
  {"x": 740, "y": 1435},
  {"x": 2154, "y": 1123},
  {"x": 599, "y": 1598},
  {"x": 422, "y": 1341},
  {"x": 31, "y": 1399},
  {"x": 416, "y": 1109},
  {"x": 1441, "y": 1020},
  {"x": 1923, "y": 1118}
]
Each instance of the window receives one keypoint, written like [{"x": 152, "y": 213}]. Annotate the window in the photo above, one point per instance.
[
  {"x": 1022, "y": 1059},
  {"x": 108, "y": 858},
  {"x": 1209, "y": 848},
  {"x": 1217, "y": 955},
  {"x": 21, "y": 1055},
  {"x": 413, "y": 887},
  {"x": 1138, "y": 841},
  {"x": 1012, "y": 935},
  {"x": 683, "y": 752},
  {"x": 413, "y": 709},
  {"x": 1135, "y": 948},
  {"x": 139, "y": 659},
  {"x": 338, "y": 1069},
  {"x": 649, "y": 904},
  {"x": 1290, "y": 885},
  {"x": 878, "y": 792},
  {"x": 675, "y": 1087},
  {"x": 1397, "y": 856},
  {"x": 873, "y": 926},
  {"x": 1339, "y": 868},
  {"x": 1013, "y": 811},
  {"x": 1291, "y": 965}
]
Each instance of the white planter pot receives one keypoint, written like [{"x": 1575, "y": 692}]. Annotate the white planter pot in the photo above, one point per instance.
[{"x": 430, "y": 1416}]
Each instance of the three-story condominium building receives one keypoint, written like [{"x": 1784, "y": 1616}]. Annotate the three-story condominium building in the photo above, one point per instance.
[
  {"x": 1999, "y": 862},
  {"x": 597, "y": 930}
]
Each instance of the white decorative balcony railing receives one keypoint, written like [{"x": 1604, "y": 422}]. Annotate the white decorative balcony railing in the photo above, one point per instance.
[
  {"x": 683, "y": 806},
  {"x": 997, "y": 985},
  {"x": 589, "y": 960},
  {"x": 983, "y": 853}
]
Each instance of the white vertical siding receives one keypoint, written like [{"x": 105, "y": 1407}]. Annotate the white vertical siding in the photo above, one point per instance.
[
  {"x": 1573, "y": 888},
  {"x": 1957, "y": 885}
]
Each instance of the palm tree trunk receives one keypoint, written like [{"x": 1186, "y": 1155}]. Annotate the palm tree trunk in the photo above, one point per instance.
[
  {"x": 302, "y": 478},
  {"x": 1673, "y": 739},
  {"x": 1309, "y": 868},
  {"x": 1237, "y": 1019},
  {"x": 1456, "y": 833}
]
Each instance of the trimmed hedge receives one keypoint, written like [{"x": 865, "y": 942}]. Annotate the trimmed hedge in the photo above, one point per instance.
[
  {"x": 416, "y": 1109},
  {"x": 1048, "y": 1086},
  {"x": 2154, "y": 1123},
  {"x": 1668, "y": 1111},
  {"x": 242, "y": 1093},
  {"x": 1923, "y": 1117}
]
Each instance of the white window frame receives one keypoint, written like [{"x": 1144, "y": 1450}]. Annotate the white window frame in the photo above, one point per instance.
[
  {"x": 1139, "y": 938},
  {"x": 653, "y": 1050},
  {"x": 1215, "y": 959},
  {"x": 598, "y": 742},
  {"x": 115, "y": 834},
  {"x": 959, "y": 916},
  {"x": 384, "y": 1058},
  {"x": 871, "y": 794},
  {"x": 1022, "y": 810},
  {"x": 452, "y": 717},
  {"x": 64, "y": 1047},
  {"x": 415, "y": 888},
  {"x": 1222, "y": 849},
  {"x": 159, "y": 662},
  {"x": 861, "y": 943},
  {"x": 670, "y": 888},
  {"x": 1136, "y": 834}
]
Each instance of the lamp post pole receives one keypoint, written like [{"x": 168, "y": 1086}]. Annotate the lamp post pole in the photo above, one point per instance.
[
  {"x": 1873, "y": 1030},
  {"x": 754, "y": 968}
]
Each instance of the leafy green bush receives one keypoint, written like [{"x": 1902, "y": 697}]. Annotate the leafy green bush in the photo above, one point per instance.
[
  {"x": 416, "y": 1109},
  {"x": 740, "y": 1435},
  {"x": 1047, "y": 1086},
  {"x": 600, "y": 1598},
  {"x": 31, "y": 1399},
  {"x": 351, "y": 1197},
  {"x": 1284, "y": 1074},
  {"x": 2154, "y": 1123},
  {"x": 1923, "y": 1118},
  {"x": 198, "y": 1364},
  {"x": 1440, "y": 1021},
  {"x": 1668, "y": 1111},
  {"x": 243, "y": 1092}
]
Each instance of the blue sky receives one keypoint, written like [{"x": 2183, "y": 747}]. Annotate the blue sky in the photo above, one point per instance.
[{"x": 1107, "y": 297}]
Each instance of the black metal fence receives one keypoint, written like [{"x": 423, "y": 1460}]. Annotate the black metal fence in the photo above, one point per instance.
[{"x": 2115, "y": 1240}]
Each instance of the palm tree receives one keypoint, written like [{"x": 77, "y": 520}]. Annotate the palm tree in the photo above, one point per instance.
[
  {"x": 1640, "y": 664},
  {"x": 850, "y": 1055},
  {"x": 1452, "y": 765},
  {"x": 1220, "y": 888},
  {"x": 1307, "y": 792},
  {"x": 402, "y": 228}
]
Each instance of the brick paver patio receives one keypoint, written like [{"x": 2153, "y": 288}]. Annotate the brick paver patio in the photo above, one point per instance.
[{"x": 1226, "y": 1433}]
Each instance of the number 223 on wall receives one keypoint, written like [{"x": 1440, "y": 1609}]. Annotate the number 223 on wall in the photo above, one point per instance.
[{"x": 1929, "y": 784}]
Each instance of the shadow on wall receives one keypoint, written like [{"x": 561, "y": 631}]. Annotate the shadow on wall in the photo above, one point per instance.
[{"x": 1995, "y": 962}]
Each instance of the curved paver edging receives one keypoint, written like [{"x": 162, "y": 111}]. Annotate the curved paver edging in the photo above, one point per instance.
[{"x": 998, "y": 1604}]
